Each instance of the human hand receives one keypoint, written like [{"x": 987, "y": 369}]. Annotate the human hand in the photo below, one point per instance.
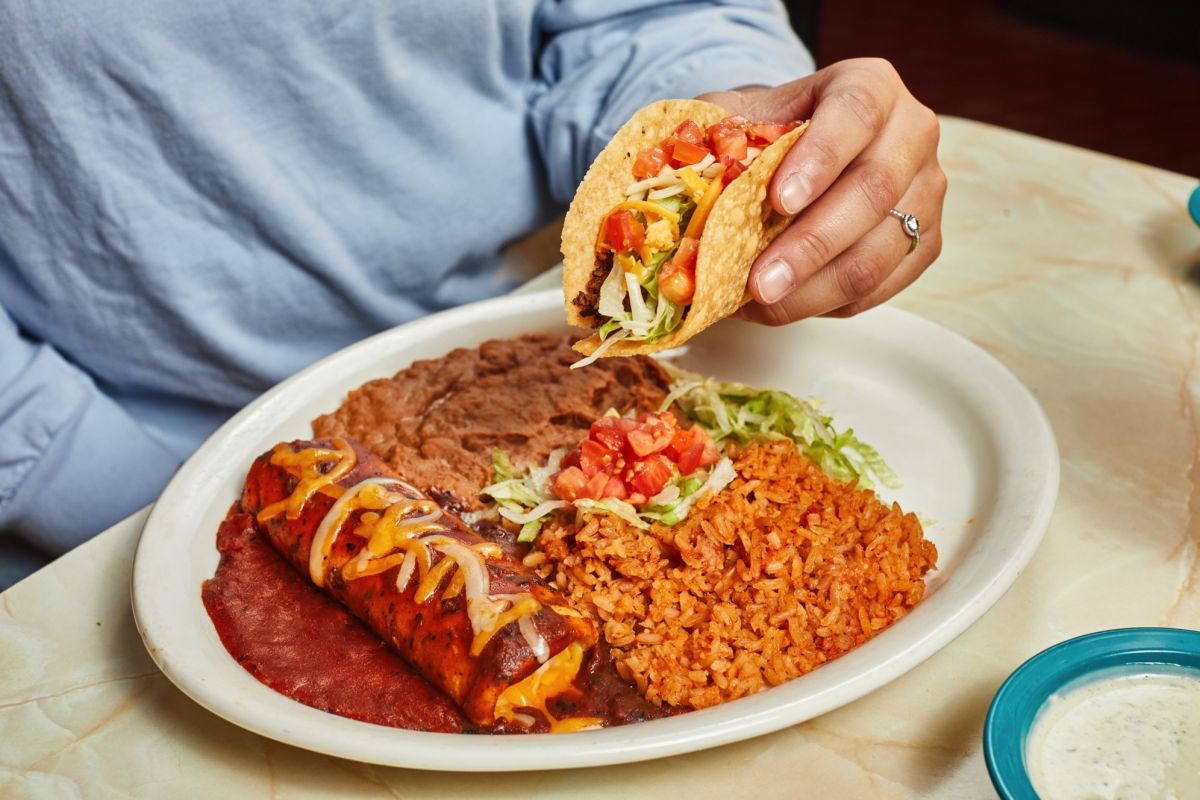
[{"x": 870, "y": 147}]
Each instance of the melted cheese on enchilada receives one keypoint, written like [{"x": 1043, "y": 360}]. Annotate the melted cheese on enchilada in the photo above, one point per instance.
[{"x": 412, "y": 534}]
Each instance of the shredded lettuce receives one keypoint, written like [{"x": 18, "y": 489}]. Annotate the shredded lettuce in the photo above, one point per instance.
[
  {"x": 521, "y": 493},
  {"x": 649, "y": 316},
  {"x": 611, "y": 505},
  {"x": 736, "y": 412},
  {"x": 674, "y": 203},
  {"x": 612, "y": 294},
  {"x": 691, "y": 489}
]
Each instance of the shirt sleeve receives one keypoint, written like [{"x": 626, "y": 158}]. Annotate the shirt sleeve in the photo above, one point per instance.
[
  {"x": 601, "y": 60},
  {"x": 72, "y": 461}
]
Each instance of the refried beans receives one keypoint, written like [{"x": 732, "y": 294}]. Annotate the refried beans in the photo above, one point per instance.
[{"x": 437, "y": 421}]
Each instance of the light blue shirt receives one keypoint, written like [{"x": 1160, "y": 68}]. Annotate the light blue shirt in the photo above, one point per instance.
[{"x": 199, "y": 199}]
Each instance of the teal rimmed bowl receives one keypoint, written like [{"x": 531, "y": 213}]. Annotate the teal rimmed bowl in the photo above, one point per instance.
[{"x": 1069, "y": 665}]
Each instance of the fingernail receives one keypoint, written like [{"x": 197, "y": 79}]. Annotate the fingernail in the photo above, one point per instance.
[
  {"x": 794, "y": 194},
  {"x": 774, "y": 281}
]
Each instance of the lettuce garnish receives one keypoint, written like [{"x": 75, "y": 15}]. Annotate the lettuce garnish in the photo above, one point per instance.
[{"x": 732, "y": 411}]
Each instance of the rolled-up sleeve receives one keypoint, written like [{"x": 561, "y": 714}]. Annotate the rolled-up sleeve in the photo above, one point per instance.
[
  {"x": 72, "y": 462},
  {"x": 599, "y": 61}
]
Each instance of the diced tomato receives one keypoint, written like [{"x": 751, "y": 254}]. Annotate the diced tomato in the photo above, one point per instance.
[
  {"x": 689, "y": 131},
  {"x": 595, "y": 457},
  {"x": 697, "y": 457},
  {"x": 682, "y": 440},
  {"x": 732, "y": 123},
  {"x": 761, "y": 133},
  {"x": 684, "y": 153},
  {"x": 616, "y": 488},
  {"x": 653, "y": 433},
  {"x": 569, "y": 484},
  {"x": 728, "y": 137},
  {"x": 689, "y": 460},
  {"x": 651, "y": 475},
  {"x": 623, "y": 233},
  {"x": 632, "y": 459},
  {"x": 649, "y": 162},
  {"x": 733, "y": 146},
  {"x": 677, "y": 281},
  {"x": 692, "y": 449},
  {"x": 609, "y": 432},
  {"x": 596, "y": 485},
  {"x": 677, "y": 285},
  {"x": 732, "y": 169},
  {"x": 685, "y": 255}
]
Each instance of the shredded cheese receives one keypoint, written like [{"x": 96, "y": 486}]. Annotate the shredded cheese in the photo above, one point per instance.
[
  {"x": 308, "y": 462},
  {"x": 696, "y": 186},
  {"x": 364, "y": 494},
  {"x": 549, "y": 680}
]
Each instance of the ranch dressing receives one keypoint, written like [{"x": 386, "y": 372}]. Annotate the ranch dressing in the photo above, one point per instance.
[{"x": 1126, "y": 736}]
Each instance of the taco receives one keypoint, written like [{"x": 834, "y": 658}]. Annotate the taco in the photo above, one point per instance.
[{"x": 659, "y": 239}]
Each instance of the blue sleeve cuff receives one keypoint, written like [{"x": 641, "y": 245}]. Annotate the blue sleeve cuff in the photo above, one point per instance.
[
  {"x": 100, "y": 467},
  {"x": 72, "y": 461}
]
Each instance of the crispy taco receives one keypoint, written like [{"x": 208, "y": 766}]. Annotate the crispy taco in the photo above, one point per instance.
[{"x": 659, "y": 239}]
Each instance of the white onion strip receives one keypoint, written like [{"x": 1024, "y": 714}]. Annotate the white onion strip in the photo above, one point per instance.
[
  {"x": 670, "y": 191},
  {"x": 604, "y": 346},
  {"x": 325, "y": 532},
  {"x": 664, "y": 178},
  {"x": 407, "y": 568},
  {"x": 537, "y": 643}
]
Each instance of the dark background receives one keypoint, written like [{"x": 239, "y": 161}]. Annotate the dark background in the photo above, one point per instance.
[{"x": 1122, "y": 78}]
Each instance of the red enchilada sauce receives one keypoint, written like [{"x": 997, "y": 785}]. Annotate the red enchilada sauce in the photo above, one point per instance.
[{"x": 306, "y": 646}]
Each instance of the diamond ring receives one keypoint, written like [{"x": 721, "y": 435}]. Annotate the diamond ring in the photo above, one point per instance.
[{"x": 911, "y": 225}]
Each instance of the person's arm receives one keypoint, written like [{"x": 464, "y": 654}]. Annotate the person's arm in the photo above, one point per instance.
[
  {"x": 72, "y": 462},
  {"x": 601, "y": 60}
]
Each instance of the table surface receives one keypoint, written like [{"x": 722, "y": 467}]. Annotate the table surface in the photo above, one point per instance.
[{"x": 1077, "y": 270}]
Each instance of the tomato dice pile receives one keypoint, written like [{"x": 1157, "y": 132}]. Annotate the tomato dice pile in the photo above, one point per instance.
[
  {"x": 650, "y": 237},
  {"x": 728, "y": 141},
  {"x": 632, "y": 459},
  {"x": 678, "y": 279}
]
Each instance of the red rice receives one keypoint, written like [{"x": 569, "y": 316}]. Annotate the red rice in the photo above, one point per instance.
[{"x": 781, "y": 572}]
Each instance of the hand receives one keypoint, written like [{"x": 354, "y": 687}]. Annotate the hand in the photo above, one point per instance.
[{"x": 870, "y": 147}]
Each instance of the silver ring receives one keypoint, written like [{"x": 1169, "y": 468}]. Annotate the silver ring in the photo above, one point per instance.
[{"x": 911, "y": 225}]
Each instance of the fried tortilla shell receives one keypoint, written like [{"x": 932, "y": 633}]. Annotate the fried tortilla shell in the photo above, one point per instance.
[{"x": 739, "y": 228}]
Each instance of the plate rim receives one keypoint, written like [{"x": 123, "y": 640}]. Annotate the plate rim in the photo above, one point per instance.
[{"x": 656, "y": 739}]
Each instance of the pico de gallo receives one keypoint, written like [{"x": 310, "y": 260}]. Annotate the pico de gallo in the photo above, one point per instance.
[
  {"x": 647, "y": 244},
  {"x": 644, "y": 469},
  {"x": 649, "y": 469}
]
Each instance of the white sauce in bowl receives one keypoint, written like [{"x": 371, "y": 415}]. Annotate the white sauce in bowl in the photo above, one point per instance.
[{"x": 1128, "y": 736}]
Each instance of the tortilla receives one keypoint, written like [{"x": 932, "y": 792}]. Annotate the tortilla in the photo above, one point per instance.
[{"x": 739, "y": 228}]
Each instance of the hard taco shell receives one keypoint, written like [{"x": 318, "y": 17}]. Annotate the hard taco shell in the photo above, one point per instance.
[{"x": 742, "y": 223}]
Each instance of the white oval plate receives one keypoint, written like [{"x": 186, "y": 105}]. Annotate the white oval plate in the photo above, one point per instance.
[{"x": 973, "y": 447}]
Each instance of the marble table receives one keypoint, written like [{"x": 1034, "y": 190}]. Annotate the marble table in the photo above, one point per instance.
[{"x": 1077, "y": 270}]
